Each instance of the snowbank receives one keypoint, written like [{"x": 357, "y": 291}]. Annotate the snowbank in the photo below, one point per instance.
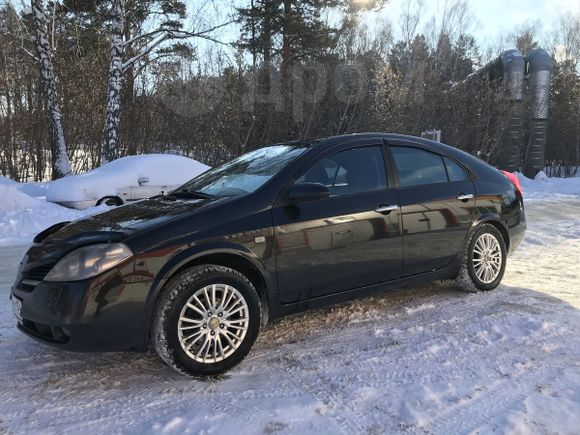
[
  {"x": 22, "y": 216},
  {"x": 161, "y": 169},
  {"x": 7, "y": 181},
  {"x": 543, "y": 187},
  {"x": 37, "y": 190}
]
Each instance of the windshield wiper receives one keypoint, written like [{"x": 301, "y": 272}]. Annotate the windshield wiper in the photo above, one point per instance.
[{"x": 189, "y": 194}]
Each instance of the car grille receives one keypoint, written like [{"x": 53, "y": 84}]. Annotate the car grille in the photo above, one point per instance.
[
  {"x": 31, "y": 278},
  {"x": 38, "y": 273}
]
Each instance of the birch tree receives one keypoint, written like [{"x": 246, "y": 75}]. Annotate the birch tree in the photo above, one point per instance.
[
  {"x": 115, "y": 85},
  {"x": 60, "y": 160},
  {"x": 140, "y": 45}
]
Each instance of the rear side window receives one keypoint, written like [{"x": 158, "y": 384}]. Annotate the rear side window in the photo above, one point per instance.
[
  {"x": 454, "y": 171},
  {"x": 417, "y": 166},
  {"x": 350, "y": 171}
]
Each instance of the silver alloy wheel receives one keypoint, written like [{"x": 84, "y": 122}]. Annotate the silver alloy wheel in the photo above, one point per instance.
[
  {"x": 487, "y": 258},
  {"x": 213, "y": 323}
]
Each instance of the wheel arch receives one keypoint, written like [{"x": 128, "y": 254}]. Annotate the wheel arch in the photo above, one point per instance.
[
  {"x": 496, "y": 221},
  {"x": 232, "y": 256}
]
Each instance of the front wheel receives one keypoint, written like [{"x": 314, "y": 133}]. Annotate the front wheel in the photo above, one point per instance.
[
  {"x": 206, "y": 320},
  {"x": 484, "y": 260}
]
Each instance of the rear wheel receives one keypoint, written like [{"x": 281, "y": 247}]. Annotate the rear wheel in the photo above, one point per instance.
[
  {"x": 206, "y": 320},
  {"x": 484, "y": 260}
]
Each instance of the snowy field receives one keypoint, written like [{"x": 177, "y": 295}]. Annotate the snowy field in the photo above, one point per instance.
[{"x": 428, "y": 360}]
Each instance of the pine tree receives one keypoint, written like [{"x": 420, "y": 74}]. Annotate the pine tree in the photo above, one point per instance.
[{"x": 286, "y": 32}]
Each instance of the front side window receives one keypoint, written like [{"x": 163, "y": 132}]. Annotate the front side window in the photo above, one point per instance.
[
  {"x": 350, "y": 171},
  {"x": 243, "y": 174},
  {"x": 417, "y": 167}
]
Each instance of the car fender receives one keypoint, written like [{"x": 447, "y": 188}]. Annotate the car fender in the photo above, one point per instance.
[
  {"x": 488, "y": 217},
  {"x": 190, "y": 254}
]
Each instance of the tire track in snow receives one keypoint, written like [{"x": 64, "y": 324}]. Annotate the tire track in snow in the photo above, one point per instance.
[{"x": 375, "y": 368}]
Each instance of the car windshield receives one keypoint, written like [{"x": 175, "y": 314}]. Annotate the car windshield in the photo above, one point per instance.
[{"x": 243, "y": 174}]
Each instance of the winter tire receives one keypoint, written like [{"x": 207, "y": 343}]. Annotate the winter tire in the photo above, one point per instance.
[
  {"x": 484, "y": 260},
  {"x": 206, "y": 320}
]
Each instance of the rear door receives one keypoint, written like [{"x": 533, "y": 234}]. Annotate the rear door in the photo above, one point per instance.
[
  {"x": 437, "y": 206},
  {"x": 341, "y": 242}
]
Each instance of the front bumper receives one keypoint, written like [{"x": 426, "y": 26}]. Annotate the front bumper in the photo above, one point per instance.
[{"x": 105, "y": 313}]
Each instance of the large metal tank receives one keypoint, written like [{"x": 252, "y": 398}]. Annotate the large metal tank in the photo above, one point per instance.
[
  {"x": 510, "y": 68},
  {"x": 539, "y": 64}
]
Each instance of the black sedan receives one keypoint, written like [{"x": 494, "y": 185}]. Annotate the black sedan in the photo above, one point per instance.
[{"x": 276, "y": 231}]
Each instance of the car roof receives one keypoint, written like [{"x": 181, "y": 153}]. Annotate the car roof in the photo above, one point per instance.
[
  {"x": 344, "y": 138},
  {"x": 475, "y": 164},
  {"x": 334, "y": 140}
]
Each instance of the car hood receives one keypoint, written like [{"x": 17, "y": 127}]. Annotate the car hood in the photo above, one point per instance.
[{"x": 118, "y": 223}]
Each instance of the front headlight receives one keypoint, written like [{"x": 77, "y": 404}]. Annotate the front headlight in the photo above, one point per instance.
[{"x": 88, "y": 261}]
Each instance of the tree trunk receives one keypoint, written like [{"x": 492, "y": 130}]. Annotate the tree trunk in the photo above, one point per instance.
[
  {"x": 286, "y": 57},
  {"x": 128, "y": 97},
  {"x": 60, "y": 160},
  {"x": 115, "y": 86}
]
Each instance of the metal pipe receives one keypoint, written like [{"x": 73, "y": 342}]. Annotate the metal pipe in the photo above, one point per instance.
[
  {"x": 540, "y": 73},
  {"x": 510, "y": 66}
]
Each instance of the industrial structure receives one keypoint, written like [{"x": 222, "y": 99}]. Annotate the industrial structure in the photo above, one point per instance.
[{"x": 526, "y": 85}]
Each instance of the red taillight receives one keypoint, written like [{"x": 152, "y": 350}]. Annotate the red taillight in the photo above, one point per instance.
[{"x": 514, "y": 179}]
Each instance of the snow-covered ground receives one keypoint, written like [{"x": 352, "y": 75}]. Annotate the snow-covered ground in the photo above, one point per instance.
[{"x": 428, "y": 359}]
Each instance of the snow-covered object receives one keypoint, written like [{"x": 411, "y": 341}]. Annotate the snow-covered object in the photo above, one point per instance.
[
  {"x": 23, "y": 216},
  {"x": 160, "y": 169}
]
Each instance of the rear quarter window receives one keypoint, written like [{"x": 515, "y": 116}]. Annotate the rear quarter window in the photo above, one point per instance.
[{"x": 454, "y": 171}]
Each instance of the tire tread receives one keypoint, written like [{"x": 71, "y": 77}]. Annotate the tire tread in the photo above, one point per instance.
[
  {"x": 464, "y": 281},
  {"x": 178, "y": 284}
]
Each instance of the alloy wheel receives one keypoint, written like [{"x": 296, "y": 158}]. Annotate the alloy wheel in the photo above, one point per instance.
[
  {"x": 213, "y": 323},
  {"x": 487, "y": 258}
]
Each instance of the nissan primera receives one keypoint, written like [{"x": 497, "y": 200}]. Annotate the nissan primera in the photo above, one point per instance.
[{"x": 282, "y": 229}]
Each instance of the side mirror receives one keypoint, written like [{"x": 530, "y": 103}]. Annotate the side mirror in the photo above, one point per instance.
[
  {"x": 142, "y": 180},
  {"x": 308, "y": 192}
]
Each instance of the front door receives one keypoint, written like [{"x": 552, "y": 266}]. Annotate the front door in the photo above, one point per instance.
[{"x": 341, "y": 242}]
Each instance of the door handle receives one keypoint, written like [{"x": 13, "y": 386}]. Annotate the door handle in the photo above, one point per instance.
[
  {"x": 385, "y": 209},
  {"x": 464, "y": 196}
]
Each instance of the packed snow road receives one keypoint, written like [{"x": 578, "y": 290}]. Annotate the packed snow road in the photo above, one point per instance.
[{"x": 423, "y": 360}]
